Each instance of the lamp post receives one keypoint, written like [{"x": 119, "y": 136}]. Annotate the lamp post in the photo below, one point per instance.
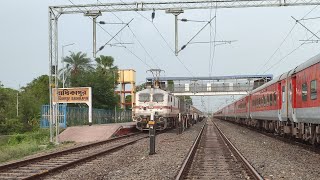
[{"x": 62, "y": 56}]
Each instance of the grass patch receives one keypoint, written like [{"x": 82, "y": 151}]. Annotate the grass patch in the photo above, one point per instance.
[{"x": 20, "y": 145}]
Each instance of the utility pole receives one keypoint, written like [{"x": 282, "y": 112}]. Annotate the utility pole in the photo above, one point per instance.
[
  {"x": 18, "y": 101},
  {"x": 176, "y": 13},
  {"x": 94, "y": 15}
]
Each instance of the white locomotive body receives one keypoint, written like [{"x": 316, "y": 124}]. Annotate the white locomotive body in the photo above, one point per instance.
[{"x": 164, "y": 105}]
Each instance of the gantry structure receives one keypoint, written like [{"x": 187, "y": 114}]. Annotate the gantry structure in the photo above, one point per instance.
[{"x": 95, "y": 10}]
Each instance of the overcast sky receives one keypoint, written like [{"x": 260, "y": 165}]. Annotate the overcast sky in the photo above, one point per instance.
[{"x": 258, "y": 31}]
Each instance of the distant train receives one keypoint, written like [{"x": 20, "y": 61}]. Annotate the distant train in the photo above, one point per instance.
[
  {"x": 287, "y": 105},
  {"x": 166, "y": 108}
]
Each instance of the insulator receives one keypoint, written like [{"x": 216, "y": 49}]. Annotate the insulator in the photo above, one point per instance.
[{"x": 153, "y": 15}]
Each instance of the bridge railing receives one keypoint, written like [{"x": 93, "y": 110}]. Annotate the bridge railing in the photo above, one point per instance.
[{"x": 239, "y": 87}]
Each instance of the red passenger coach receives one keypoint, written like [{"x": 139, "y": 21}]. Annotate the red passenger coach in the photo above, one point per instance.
[
  {"x": 265, "y": 102},
  {"x": 289, "y": 104},
  {"x": 242, "y": 108},
  {"x": 305, "y": 101}
]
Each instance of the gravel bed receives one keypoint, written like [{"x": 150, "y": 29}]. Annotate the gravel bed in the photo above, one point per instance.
[
  {"x": 272, "y": 158},
  {"x": 133, "y": 161}
]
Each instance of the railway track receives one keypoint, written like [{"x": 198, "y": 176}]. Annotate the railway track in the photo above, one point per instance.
[
  {"x": 213, "y": 156},
  {"x": 37, "y": 167}
]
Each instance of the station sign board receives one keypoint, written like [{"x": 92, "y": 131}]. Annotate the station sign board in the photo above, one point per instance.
[{"x": 73, "y": 95}]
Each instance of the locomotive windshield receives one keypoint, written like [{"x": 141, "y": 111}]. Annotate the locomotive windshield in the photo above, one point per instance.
[
  {"x": 158, "y": 97},
  {"x": 144, "y": 97}
]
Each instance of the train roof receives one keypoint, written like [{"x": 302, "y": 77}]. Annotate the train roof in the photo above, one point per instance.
[
  {"x": 314, "y": 60},
  {"x": 155, "y": 90},
  {"x": 306, "y": 64}
]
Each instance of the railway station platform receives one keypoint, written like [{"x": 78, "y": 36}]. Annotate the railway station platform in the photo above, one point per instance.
[{"x": 81, "y": 134}]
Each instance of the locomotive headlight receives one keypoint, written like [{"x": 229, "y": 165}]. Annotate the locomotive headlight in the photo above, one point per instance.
[{"x": 161, "y": 119}]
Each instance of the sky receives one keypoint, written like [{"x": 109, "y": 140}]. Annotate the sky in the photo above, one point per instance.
[{"x": 258, "y": 32}]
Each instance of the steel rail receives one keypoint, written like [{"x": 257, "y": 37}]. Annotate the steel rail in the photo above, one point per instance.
[
  {"x": 236, "y": 152},
  {"x": 188, "y": 160},
  {"x": 25, "y": 162},
  {"x": 92, "y": 156}
]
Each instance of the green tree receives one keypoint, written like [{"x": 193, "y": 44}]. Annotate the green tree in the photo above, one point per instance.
[
  {"x": 170, "y": 85},
  {"x": 7, "y": 103},
  {"x": 140, "y": 87},
  {"x": 33, "y": 96},
  {"x": 128, "y": 99},
  {"x": 105, "y": 63},
  {"x": 187, "y": 99},
  {"x": 103, "y": 80},
  {"x": 76, "y": 64},
  {"x": 9, "y": 123}
]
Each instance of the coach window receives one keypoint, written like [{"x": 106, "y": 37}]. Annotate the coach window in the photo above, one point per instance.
[
  {"x": 275, "y": 98},
  {"x": 304, "y": 92},
  {"x": 313, "y": 90},
  {"x": 264, "y": 101},
  {"x": 271, "y": 101}
]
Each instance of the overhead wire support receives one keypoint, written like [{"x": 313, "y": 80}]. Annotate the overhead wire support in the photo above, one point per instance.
[
  {"x": 184, "y": 46},
  {"x": 310, "y": 41},
  {"x": 306, "y": 19},
  {"x": 84, "y": 9},
  {"x": 189, "y": 20},
  {"x": 118, "y": 45},
  {"x": 127, "y": 25},
  {"x": 103, "y": 22},
  {"x": 206, "y": 42},
  {"x": 305, "y": 27}
]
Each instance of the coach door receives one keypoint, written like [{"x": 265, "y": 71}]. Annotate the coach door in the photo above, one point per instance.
[
  {"x": 281, "y": 99},
  {"x": 292, "y": 99},
  {"x": 284, "y": 94}
]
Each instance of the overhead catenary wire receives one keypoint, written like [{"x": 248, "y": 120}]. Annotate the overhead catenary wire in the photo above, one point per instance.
[
  {"x": 287, "y": 35},
  {"x": 274, "y": 53},
  {"x": 166, "y": 42},
  {"x": 132, "y": 53},
  {"x": 291, "y": 52},
  {"x": 134, "y": 35}
]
